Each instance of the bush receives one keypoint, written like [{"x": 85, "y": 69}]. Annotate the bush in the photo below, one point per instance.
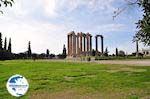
[
  {"x": 88, "y": 58},
  {"x": 5, "y": 55}
]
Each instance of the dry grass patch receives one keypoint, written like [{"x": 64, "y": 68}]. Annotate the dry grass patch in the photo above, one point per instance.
[{"x": 80, "y": 94}]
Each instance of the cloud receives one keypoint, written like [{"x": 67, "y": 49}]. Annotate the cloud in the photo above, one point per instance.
[
  {"x": 106, "y": 29},
  {"x": 50, "y": 7},
  {"x": 55, "y": 7},
  {"x": 111, "y": 27},
  {"x": 101, "y": 5}
]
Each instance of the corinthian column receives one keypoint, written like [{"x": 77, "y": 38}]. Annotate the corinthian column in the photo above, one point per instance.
[
  {"x": 96, "y": 43},
  {"x": 102, "y": 44},
  {"x": 81, "y": 42},
  {"x": 74, "y": 45},
  {"x": 68, "y": 45},
  {"x": 78, "y": 50},
  {"x": 90, "y": 43},
  {"x": 84, "y": 42},
  {"x": 71, "y": 44},
  {"x": 87, "y": 37}
]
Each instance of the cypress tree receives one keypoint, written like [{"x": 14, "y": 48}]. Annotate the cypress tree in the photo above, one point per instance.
[
  {"x": 47, "y": 53},
  {"x": 106, "y": 52},
  {"x": 5, "y": 44},
  {"x": 29, "y": 49},
  {"x": 116, "y": 51},
  {"x": 9, "y": 46},
  {"x": 64, "y": 51},
  {"x": 1, "y": 41}
]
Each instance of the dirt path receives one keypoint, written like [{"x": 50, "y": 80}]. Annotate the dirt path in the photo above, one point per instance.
[
  {"x": 125, "y": 62},
  {"x": 134, "y": 62}
]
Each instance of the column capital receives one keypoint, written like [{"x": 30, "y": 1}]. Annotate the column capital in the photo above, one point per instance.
[{"x": 72, "y": 32}]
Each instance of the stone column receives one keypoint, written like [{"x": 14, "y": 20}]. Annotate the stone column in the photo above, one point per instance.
[
  {"x": 102, "y": 44},
  {"x": 68, "y": 44},
  {"x": 71, "y": 45},
  {"x": 84, "y": 42},
  {"x": 87, "y": 37},
  {"x": 90, "y": 43},
  {"x": 74, "y": 45},
  {"x": 96, "y": 44},
  {"x": 81, "y": 43},
  {"x": 78, "y": 44}
]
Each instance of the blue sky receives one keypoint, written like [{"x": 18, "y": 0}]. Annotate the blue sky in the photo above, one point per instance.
[{"x": 46, "y": 23}]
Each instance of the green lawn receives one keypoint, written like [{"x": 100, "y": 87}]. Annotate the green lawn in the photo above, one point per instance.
[{"x": 60, "y": 80}]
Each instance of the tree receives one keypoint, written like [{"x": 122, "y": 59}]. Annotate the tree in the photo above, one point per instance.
[
  {"x": 93, "y": 52},
  {"x": 121, "y": 53},
  {"x": 64, "y": 51},
  {"x": 106, "y": 52},
  {"x": 29, "y": 49},
  {"x": 143, "y": 25},
  {"x": 4, "y": 54},
  {"x": 47, "y": 53},
  {"x": 5, "y": 44},
  {"x": 9, "y": 45},
  {"x": 6, "y": 3},
  {"x": 1, "y": 45},
  {"x": 116, "y": 51}
]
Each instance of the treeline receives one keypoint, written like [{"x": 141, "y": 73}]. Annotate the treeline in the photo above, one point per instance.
[
  {"x": 29, "y": 55},
  {"x": 5, "y": 51}
]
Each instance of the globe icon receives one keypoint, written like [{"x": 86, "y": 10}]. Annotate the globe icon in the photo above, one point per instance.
[{"x": 17, "y": 85}]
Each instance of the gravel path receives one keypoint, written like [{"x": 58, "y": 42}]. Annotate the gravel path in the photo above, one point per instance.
[
  {"x": 125, "y": 62},
  {"x": 134, "y": 62}
]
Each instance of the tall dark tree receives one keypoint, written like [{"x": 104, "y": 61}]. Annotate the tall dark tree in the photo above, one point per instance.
[
  {"x": 106, "y": 52},
  {"x": 116, "y": 51},
  {"x": 93, "y": 52},
  {"x": 29, "y": 49},
  {"x": 64, "y": 51},
  {"x": 9, "y": 45},
  {"x": 1, "y": 42},
  {"x": 5, "y": 44},
  {"x": 4, "y": 53},
  {"x": 47, "y": 53}
]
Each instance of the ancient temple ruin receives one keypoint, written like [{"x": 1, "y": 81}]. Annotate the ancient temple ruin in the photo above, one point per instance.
[{"x": 79, "y": 44}]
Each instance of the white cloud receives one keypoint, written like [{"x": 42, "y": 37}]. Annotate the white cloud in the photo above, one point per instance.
[
  {"x": 55, "y": 7},
  {"x": 101, "y": 5},
  {"x": 111, "y": 27},
  {"x": 50, "y": 7}
]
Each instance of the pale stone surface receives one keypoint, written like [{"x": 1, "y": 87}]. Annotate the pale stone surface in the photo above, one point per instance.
[{"x": 80, "y": 44}]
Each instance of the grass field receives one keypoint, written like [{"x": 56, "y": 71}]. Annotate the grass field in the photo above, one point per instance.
[{"x": 68, "y": 80}]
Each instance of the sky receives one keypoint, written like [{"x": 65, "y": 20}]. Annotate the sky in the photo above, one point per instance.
[{"x": 46, "y": 23}]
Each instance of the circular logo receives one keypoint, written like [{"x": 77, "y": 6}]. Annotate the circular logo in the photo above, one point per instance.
[{"x": 17, "y": 85}]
